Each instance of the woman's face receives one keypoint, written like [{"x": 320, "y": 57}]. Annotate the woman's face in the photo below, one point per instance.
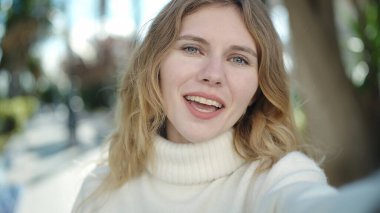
[{"x": 209, "y": 77}]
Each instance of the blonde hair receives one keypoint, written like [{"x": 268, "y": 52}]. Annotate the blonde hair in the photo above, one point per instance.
[{"x": 265, "y": 132}]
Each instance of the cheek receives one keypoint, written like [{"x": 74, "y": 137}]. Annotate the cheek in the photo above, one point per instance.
[
  {"x": 164, "y": 86},
  {"x": 170, "y": 69},
  {"x": 172, "y": 78},
  {"x": 166, "y": 74},
  {"x": 245, "y": 87}
]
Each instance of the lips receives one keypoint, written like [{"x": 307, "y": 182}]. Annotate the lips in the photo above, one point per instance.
[
  {"x": 204, "y": 101},
  {"x": 204, "y": 106}
]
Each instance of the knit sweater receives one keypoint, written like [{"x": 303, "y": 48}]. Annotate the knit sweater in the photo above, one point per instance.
[{"x": 211, "y": 177}]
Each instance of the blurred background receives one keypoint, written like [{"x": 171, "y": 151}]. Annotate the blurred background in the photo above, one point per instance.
[{"x": 58, "y": 71}]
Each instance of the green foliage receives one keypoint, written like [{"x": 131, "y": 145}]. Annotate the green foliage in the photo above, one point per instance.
[
  {"x": 97, "y": 97},
  {"x": 25, "y": 23},
  {"x": 50, "y": 95},
  {"x": 367, "y": 28},
  {"x": 13, "y": 115},
  {"x": 372, "y": 30},
  {"x": 28, "y": 9}
]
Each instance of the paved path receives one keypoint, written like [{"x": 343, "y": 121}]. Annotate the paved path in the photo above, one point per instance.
[
  {"x": 57, "y": 192},
  {"x": 47, "y": 170}
]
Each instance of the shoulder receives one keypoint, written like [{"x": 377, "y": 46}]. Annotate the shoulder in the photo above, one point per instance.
[
  {"x": 295, "y": 167},
  {"x": 294, "y": 178},
  {"x": 98, "y": 173},
  {"x": 90, "y": 184},
  {"x": 94, "y": 178},
  {"x": 297, "y": 162}
]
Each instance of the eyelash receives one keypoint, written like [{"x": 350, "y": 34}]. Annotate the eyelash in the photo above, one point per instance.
[
  {"x": 190, "y": 50},
  {"x": 242, "y": 60}
]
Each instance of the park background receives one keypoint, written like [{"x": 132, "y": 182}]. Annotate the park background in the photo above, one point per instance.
[{"x": 59, "y": 63}]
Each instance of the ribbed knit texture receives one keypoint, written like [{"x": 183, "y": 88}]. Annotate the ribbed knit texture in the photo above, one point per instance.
[
  {"x": 194, "y": 163},
  {"x": 211, "y": 177}
]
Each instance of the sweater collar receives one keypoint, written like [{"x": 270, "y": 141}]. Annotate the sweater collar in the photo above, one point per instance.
[{"x": 194, "y": 163}]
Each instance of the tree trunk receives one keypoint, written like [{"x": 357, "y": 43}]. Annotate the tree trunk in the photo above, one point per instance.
[{"x": 336, "y": 121}]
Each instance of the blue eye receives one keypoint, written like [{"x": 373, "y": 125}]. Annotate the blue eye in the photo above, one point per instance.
[
  {"x": 239, "y": 60},
  {"x": 191, "y": 50}
]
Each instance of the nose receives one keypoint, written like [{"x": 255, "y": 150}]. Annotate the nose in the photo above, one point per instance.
[{"x": 212, "y": 73}]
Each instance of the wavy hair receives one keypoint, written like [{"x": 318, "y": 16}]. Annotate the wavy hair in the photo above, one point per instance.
[{"x": 265, "y": 132}]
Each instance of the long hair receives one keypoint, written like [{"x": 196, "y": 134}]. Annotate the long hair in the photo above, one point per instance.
[{"x": 265, "y": 132}]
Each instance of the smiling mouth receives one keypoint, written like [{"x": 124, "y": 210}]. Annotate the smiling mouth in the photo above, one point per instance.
[{"x": 202, "y": 104}]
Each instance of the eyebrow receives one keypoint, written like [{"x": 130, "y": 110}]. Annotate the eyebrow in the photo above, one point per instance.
[
  {"x": 233, "y": 47},
  {"x": 244, "y": 49},
  {"x": 193, "y": 38}
]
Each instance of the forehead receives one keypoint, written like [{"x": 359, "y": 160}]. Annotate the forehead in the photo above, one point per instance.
[{"x": 217, "y": 21}]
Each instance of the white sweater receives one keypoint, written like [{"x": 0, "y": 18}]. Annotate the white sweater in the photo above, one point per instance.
[{"x": 212, "y": 177}]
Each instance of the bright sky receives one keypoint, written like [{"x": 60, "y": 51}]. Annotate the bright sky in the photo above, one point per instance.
[
  {"x": 119, "y": 19},
  {"x": 81, "y": 20}
]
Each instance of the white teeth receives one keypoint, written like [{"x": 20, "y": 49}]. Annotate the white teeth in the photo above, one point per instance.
[{"x": 204, "y": 101}]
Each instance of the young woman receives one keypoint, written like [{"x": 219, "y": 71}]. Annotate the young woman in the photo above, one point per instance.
[{"x": 204, "y": 120}]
